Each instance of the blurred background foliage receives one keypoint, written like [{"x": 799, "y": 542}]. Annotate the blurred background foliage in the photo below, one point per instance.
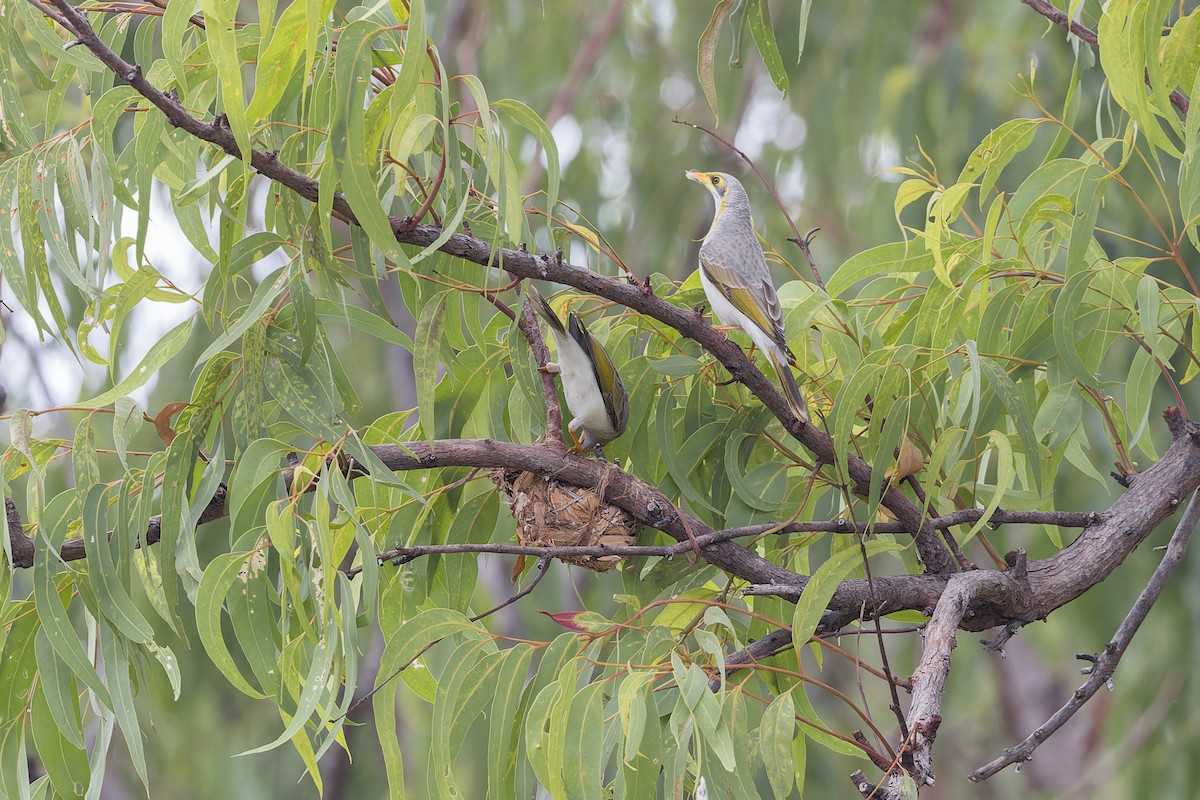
[{"x": 880, "y": 85}]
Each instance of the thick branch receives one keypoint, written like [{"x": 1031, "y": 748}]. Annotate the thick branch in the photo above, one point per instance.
[
  {"x": 22, "y": 545},
  {"x": 74, "y": 550},
  {"x": 648, "y": 505},
  {"x": 524, "y": 264},
  {"x": 1106, "y": 663},
  {"x": 929, "y": 679}
]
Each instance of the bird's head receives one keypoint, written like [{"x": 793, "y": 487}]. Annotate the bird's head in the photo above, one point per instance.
[{"x": 726, "y": 190}]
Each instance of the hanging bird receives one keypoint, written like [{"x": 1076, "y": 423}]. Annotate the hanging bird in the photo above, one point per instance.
[
  {"x": 595, "y": 394},
  {"x": 737, "y": 282}
]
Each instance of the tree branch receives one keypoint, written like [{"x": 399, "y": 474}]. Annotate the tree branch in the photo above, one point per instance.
[
  {"x": 74, "y": 550},
  {"x": 929, "y": 679},
  {"x": 1106, "y": 663}
]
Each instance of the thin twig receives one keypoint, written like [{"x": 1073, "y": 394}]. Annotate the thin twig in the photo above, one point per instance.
[
  {"x": 542, "y": 566},
  {"x": 1106, "y": 663},
  {"x": 883, "y": 657}
]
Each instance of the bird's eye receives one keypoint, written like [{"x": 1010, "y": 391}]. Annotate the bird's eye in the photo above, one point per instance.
[{"x": 716, "y": 180}]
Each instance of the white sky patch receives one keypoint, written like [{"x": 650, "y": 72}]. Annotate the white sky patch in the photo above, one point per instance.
[
  {"x": 879, "y": 153},
  {"x": 791, "y": 185},
  {"x": 676, "y": 92},
  {"x": 770, "y": 120},
  {"x": 616, "y": 177},
  {"x": 659, "y": 14},
  {"x": 569, "y": 138}
]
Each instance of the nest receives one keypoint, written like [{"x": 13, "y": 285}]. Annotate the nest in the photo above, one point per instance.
[{"x": 553, "y": 514}]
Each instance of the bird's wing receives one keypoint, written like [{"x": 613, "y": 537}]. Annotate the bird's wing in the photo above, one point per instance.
[
  {"x": 752, "y": 293},
  {"x": 616, "y": 403}
]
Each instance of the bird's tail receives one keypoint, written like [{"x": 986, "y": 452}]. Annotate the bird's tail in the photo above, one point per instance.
[
  {"x": 543, "y": 308},
  {"x": 791, "y": 391}
]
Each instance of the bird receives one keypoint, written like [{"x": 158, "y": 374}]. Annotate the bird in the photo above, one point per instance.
[
  {"x": 737, "y": 282},
  {"x": 595, "y": 394}
]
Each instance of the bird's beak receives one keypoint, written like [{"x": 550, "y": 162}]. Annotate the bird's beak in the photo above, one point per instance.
[{"x": 698, "y": 177}]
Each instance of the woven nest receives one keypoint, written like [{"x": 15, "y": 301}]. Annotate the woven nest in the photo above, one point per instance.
[{"x": 553, "y": 514}]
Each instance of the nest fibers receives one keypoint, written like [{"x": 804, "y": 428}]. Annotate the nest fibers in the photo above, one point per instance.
[{"x": 553, "y": 514}]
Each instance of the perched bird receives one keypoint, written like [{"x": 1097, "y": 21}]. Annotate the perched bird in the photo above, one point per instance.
[
  {"x": 733, "y": 271},
  {"x": 595, "y": 393}
]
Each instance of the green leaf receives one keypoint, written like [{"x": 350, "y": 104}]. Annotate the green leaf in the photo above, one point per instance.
[
  {"x": 995, "y": 152},
  {"x": 402, "y": 647},
  {"x": 219, "y": 577},
  {"x": 116, "y": 670},
  {"x": 219, "y": 28},
  {"x": 805, "y": 8},
  {"x": 899, "y": 258},
  {"x": 676, "y": 366},
  {"x": 706, "y": 52},
  {"x": 1005, "y": 474},
  {"x": 1022, "y": 420},
  {"x": 504, "y": 720},
  {"x": 277, "y": 62},
  {"x": 464, "y": 689},
  {"x": 105, "y": 116},
  {"x": 59, "y": 690},
  {"x": 160, "y": 353},
  {"x": 759, "y": 17},
  {"x": 414, "y": 60},
  {"x": 115, "y": 601},
  {"x": 65, "y": 761},
  {"x": 48, "y": 596},
  {"x": 347, "y": 136},
  {"x": 809, "y": 722},
  {"x": 264, "y": 295},
  {"x": 1066, "y": 312},
  {"x": 775, "y": 738},
  {"x": 316, "y": 686},
  {"x": 427, "y": 359},
  {"x": 524, "y": 116},
  {"x": 584, "y": 740},
  {"x": 1129, "y": 34}
]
